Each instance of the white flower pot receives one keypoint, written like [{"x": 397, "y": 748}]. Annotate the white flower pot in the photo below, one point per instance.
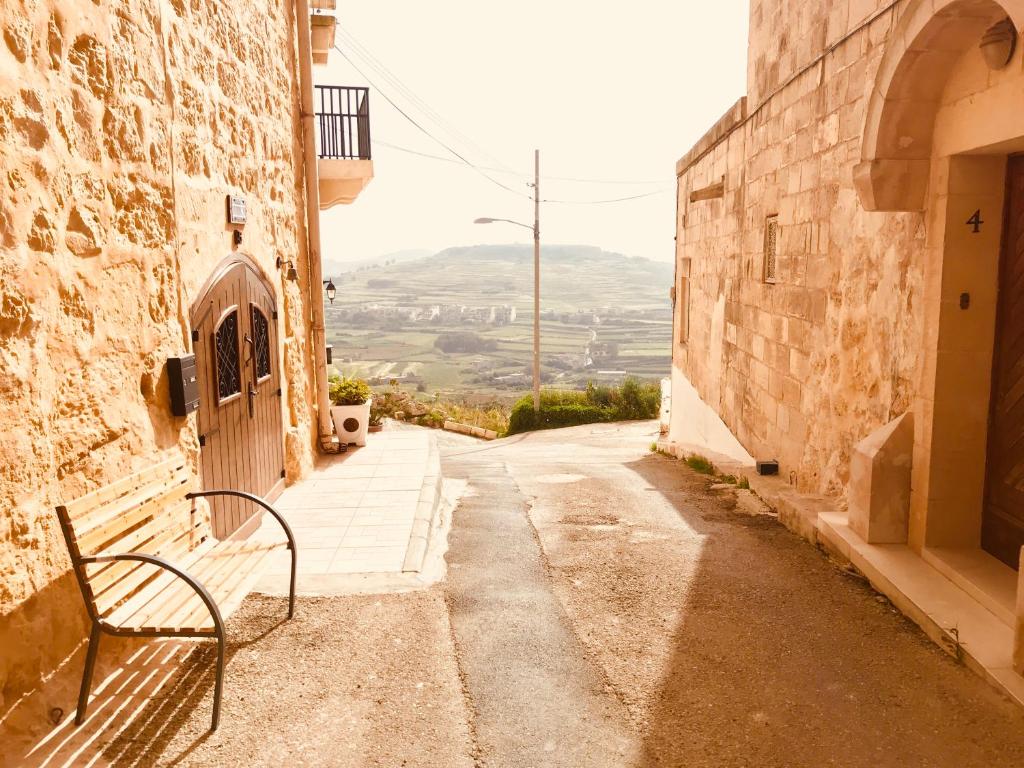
[{"x": 351, "y": 421}]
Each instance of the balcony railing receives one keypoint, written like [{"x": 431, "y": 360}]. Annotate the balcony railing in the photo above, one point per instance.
[{"x": 343, "y": 123}]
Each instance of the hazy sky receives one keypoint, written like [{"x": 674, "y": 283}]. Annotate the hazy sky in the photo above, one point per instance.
[{"x": 609, "y": 91}]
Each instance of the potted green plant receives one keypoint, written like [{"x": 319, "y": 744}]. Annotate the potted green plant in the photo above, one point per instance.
[
  {"x": 377, "y": 415},
  {"x": 351, "y": 399}
]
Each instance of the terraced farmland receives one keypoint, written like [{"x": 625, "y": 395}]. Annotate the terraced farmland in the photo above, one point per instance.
[{"x": 601, "y": 312}]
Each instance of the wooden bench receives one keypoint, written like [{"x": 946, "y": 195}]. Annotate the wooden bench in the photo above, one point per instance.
[{"x": 148, "y": 565}]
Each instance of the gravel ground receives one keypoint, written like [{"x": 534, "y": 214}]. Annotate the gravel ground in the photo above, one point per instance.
[
  {"x": 731, "y": 641},
  {"x": 350, "y": 681}
]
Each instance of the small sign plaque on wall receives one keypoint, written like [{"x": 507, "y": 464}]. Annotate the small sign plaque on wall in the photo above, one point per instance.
[{"x": 236, "y": 209}]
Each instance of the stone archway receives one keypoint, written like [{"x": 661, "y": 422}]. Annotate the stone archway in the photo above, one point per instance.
[{"x": 930, "y": 37}]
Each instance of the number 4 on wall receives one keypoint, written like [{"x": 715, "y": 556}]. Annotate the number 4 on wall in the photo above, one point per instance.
[{"x": 975, "y": 221}]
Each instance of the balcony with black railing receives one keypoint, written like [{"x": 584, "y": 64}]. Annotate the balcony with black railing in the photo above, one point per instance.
[{"x": 342, "y": 142}]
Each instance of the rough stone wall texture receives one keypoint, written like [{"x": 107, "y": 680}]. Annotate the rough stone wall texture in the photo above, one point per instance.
[
  {"x": 123, "y": 126},
  {"x": 802, "y": 369}
]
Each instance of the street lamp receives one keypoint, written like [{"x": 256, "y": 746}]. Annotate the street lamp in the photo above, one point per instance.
[
  {"x": 332, "y": 290},
  {"x": 536, "y": 273}
]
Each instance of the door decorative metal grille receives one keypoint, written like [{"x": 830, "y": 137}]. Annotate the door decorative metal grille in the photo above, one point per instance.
[
  {"x": 260, "y": 342},
  {"x": 229, "y": 374}
]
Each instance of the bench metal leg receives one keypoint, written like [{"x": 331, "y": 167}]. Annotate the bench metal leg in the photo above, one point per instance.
[
  {"x": 219, "y": 686},
  {"x": 90, "y": 663},
  {"x": 291, "y": 589}
]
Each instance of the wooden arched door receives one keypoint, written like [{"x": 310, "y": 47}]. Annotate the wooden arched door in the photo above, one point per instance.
[{"x": 234, "y": 333}]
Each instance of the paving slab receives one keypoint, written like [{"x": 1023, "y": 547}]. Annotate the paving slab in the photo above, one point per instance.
[{"x": 367, "y": 511}]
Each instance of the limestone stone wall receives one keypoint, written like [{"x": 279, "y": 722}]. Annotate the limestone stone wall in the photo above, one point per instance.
[
  {"x": 786, "y": 35},
  {"x": 123, "y": 126},
  {"x": 801, "y": 369}
]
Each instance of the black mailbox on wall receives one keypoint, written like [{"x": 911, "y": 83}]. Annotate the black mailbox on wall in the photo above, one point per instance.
[{"x": 181, "y": 374}]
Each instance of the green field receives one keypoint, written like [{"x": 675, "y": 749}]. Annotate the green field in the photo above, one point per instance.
[{"x": 374, "y": 337}]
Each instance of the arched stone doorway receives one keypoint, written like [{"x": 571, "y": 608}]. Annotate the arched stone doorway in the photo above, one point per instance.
[
  {"x": 942, "y": 133},
  {"x": 235, "y": 338}
]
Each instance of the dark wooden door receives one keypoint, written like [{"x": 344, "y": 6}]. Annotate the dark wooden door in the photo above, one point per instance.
[
  {"x": 1002, "y": 531},
  {"x": 240, "y": 424}
]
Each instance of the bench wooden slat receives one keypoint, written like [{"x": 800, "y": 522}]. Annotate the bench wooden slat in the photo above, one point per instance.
[
  {"x": 114, "y": 531},
  {"x": 126, "y": 504},
  {"x": 153, "y": 590},
  {"x": 118, "y": 488},
  {"x": 178, "y": 591},
  {"x": 194, "y": 612},
  {"x": 129, "y": 583},
  {"x": 174, "y": 540},
  {"x": 220, "y": 560},
  {"x": 86, "y": 520},
  {"x": 121, "y": 578},
  {"x": 179, "y": 608},
  {"x": 177, "y": 517},
  {"x": 231, "y": 594}
]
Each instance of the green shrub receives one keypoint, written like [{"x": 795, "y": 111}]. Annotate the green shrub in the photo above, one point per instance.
[
  {"x": 349, "y": 391},
  {"x": 561, "y": 408}
]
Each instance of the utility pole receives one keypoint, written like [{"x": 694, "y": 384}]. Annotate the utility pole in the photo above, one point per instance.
[{"x": 536, "y": 280}]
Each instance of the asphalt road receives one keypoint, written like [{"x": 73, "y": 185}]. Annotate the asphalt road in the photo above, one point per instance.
[
  {"x": 686, "y": 632},
  {"x": 603, "y": 606}
]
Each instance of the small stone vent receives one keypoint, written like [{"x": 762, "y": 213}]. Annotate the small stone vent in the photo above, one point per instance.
[{"x": 771, "y": 240}]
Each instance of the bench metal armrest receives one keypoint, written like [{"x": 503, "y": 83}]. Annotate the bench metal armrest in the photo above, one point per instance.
[
  {"x": 255, "y": 500},
  {"x": 166, "y": 565}
]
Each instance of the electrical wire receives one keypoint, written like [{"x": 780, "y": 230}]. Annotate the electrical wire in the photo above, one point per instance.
[
  {"x": 482, "y": 170},
  {"x": 412, "y": 120},
  {"x": 612, "y": 200},
  {"x": 376, "y": 65},
  {"x": 429, "y": 156}
]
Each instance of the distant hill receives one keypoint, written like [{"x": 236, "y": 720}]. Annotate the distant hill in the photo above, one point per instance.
[
  {"x": 338, "y": 267},
  {"x": 442, "y": 323},
  {"x": 572, "y": 277}
]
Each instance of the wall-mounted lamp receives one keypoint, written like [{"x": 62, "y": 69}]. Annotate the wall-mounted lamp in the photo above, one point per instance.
[
  {"x": 998, "y": 43},
  {"x": 292, "y": 273},
  {"x": 332, "y": 289}
]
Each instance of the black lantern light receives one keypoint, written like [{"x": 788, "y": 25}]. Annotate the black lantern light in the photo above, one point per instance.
[{"x": 332, "y": 290}]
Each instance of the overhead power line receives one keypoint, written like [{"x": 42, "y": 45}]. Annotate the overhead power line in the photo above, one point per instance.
[
  {"x": 482, "y": 170},
  {"x": 613, "y": 200},
  {"x": 375, "y": 64},
  {"x": 516, "y": 173},
  {"x": 412, "y": 120}
]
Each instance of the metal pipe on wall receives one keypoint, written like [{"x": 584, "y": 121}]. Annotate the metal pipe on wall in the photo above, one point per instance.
[{"x": 316, "y": 297}]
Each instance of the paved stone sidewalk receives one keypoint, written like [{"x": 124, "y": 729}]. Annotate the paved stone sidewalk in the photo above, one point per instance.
[{"x": 358, "y": 511}]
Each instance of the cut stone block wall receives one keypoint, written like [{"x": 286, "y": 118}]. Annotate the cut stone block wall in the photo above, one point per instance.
[
  {"x": 123, "y": 127},
  {"x": 801, "y": 369}
]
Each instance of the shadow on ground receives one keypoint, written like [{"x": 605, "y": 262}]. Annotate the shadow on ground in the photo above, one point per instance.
[
  {"x": 779, "y": 658},
  {"x": 349, "y": 681},
  {"x": 141, "y": 707}
]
